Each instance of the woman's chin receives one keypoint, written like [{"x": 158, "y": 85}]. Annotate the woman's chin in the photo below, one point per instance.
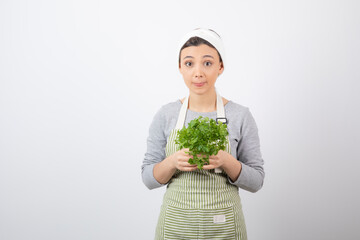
[{"x": 199, "y": 91}]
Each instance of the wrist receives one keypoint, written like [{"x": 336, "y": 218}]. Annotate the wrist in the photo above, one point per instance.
[
  {"x": 170, "y": 162},
  {"x": 229, "y": 161},
  {"x": 232, "y": 167}
]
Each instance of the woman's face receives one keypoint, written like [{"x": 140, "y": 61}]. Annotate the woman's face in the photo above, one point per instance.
[{"x": 200, "y": 66}]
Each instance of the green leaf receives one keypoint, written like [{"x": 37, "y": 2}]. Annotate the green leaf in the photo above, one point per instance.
[{"x": 202, "y": 136}]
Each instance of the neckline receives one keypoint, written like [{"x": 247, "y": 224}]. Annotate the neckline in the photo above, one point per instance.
[{"x": 204, "y": 112}]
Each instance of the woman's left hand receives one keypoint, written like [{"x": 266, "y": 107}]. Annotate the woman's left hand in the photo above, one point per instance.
[{"x": 218, "y": 160}]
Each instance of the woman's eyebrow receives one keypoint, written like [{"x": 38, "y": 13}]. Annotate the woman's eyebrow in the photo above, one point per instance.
[
  {"x": 203, "y": 56},
  {"x": 207, "y": 56}
]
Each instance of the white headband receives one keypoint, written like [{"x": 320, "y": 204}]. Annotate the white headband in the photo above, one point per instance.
[{"x": 207, "y": 35}]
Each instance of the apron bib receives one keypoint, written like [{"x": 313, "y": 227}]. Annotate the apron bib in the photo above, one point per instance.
[{"x": 200, "y": 204}]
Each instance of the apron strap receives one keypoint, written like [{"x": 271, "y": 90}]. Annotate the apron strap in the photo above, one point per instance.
[
  {"x": 220, "y": 108},
  {"x": 182, "y": 114}
]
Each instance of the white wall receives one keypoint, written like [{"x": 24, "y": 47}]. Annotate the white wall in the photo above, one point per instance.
[{"x": 80, "y": 82}]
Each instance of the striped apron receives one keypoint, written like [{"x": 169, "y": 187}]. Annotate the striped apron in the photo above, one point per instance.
[{"x": 200, "y": 204}]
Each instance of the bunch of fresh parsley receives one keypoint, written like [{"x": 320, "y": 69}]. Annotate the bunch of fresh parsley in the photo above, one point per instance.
[{"x": 203, "y": 137}]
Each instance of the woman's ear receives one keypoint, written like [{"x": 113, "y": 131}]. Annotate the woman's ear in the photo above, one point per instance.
[
  {"x": 180, "y": 69},
  {"x": 221, "y": 69}
]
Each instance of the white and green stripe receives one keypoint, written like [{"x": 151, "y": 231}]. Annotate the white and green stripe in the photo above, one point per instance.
[{"x": 191, "y": 201}]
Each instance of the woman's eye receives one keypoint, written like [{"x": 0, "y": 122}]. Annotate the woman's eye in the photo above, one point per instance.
[
  {"x": 188, "y": 64},
  {"x": 207, "y": 63}
]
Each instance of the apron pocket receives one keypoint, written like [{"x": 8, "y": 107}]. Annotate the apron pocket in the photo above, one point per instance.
[
  {"x": 180, "y": 223},
  {"x": 218, "y": 224}
]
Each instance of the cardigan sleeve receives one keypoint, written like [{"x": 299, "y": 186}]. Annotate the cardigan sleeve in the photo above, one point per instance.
[
  {"x": 248, "y": 152},
  {"x": 155, "y": 152}
]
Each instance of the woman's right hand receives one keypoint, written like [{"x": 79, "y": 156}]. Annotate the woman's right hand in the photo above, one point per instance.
[{"x": 180, "y": 160}]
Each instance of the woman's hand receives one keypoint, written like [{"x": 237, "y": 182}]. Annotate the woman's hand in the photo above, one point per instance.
[
  {"x": 223, "y": 159},
  {"x": 180, "y": 160},
  {"x": 218, "y": 160}
]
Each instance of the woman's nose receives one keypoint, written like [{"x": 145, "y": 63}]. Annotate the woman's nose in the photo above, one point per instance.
[{"x": 198, "y": 71}]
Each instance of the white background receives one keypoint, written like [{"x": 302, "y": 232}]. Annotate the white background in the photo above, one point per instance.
[{"x": 82, "y": 80}]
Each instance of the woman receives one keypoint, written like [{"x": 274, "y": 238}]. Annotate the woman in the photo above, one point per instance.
[{"x": 202, "y": 203}]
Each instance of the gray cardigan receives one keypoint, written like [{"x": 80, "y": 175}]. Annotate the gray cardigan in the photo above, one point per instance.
[{"x": 243, "y": 135}]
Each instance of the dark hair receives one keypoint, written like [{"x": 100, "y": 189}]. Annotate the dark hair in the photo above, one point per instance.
[{"x": 196, "y": 41}]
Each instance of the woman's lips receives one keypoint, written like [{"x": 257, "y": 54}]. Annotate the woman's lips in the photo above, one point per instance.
[{"x": 199, "y": 84}]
